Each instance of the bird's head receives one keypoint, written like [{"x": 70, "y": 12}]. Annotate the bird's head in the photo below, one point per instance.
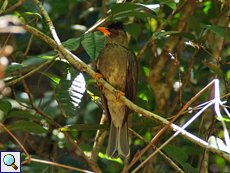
[{"x": 115, "y": 33}]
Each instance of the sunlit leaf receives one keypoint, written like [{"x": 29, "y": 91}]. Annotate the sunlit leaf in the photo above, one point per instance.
[
  {"x": 221, "y": 162},
  {"x": 93, "y": 95},
  {"x": 162, "y": 34},
  {"x": 225, "y": 119},
  {"x": 143, "y": 97},
  {"x": 55, "y": 78},
  {"x": 146, "y": 70},
  {"x": 43, "y": 57},
  {"x": 85, "y": 127},
  {"x": 30, "y": 14},
  {"x": 101, "y": 155},
  {"x": 218, "y": 144},
  {"x": 71, "y": 93}
]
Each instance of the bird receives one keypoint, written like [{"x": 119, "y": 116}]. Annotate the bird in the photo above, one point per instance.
[{"x": 118, "y": 66}]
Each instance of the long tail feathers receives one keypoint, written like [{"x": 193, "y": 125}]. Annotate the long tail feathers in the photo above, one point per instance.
[
  {"x": 112, "y": 145},
  {"x": 118, "y": 142},
  {"x": 123, "y": 140}
]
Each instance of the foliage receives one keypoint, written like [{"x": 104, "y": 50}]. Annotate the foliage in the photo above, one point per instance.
[{"x": 52, "y": 105}]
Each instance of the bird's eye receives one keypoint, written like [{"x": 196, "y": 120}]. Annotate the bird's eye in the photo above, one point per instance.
[{"x": 115, "y": 33}]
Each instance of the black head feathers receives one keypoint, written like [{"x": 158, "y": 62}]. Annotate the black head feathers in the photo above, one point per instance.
[{"x": 116, "y": 25}]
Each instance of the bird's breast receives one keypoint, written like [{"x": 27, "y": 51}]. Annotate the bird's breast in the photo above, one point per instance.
[{"x": 112, "y": 64}]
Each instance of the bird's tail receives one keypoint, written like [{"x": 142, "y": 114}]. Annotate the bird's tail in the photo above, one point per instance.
[{"x": 118, "y": 145}]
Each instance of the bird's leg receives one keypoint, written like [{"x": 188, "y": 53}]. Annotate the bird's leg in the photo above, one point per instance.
[
  {"x": 83, "y": 69},
  {"x": 97, "y": 75},
  {"x": 119, "y": 95}
]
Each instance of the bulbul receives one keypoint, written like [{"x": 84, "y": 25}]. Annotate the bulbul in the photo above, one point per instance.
[{"x": 118, "y": 66}]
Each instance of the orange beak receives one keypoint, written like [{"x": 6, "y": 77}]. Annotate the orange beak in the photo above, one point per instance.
[{"x": 104, "y": 30}]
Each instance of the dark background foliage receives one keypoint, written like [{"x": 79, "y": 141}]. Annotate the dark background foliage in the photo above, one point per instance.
[{"x": 183, "y": 41}]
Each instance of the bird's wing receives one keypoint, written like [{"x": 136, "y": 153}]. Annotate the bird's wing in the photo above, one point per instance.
[
  {"x": 103, "y": 98},
  {"x": 131, "y": 77}
]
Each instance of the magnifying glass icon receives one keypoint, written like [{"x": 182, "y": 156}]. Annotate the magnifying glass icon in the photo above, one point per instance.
[{"x": 9, "y": 160}]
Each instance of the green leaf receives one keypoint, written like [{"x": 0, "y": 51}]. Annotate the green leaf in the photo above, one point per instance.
[
  {"x": 220, "y": 30},
  {"x": 134, "y": 29},
  {"x": 217, "y": 70},
  {"x": 228, "y": 74},
  {"x": 128, "y": 6},
  {"x": 129, "y": 9},
  {"x": 42, "y": 57},
  {"x": 5, "y": 106},
  {"x": 176, "y": 153},
  {"x": 162, "y": 34},
  {"x": 145, "y": 122},
  {"x": 137, "y": 14},
  {"x": 221, "y": 162},
  {"x": 45, "y": 26},
  {"x": 72, "y": 44},
  {"x": 71, "y": 93},
  {"x": 121, "y": 7},
  {"x": 24, "y": 114},
  {"x": 93, "y": 43},
  {"x": 188, "y": 168},
  {"x": 53, "y": 77},
  {"x": 29, "y": 14},
  {"x": 143, "y": 96},
  {"x": 225, "y": 119},
  {"x": 171, "y": 4},
  {"x": 10, "y": 78},
  {"x": 193, "y": 23},
  {"x": 14, "y": 66},
  {"x": 26, "y": 126},
  {"x": 45, "y": 57},
  {"x": 186, "y": 35},
  {"x": 85, "y": 127}
]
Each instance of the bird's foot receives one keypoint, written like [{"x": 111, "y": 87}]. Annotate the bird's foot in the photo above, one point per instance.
[
  {"x": 83, "y": 69},
  {"x": 119, "y": 95},
  {"x": 97, "y": 75}
]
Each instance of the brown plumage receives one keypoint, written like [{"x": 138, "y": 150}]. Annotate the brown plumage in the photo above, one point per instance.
[{"x": 118, "y": 66}]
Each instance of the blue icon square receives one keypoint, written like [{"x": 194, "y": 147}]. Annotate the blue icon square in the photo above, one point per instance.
[{"x": 10, "y": 161}]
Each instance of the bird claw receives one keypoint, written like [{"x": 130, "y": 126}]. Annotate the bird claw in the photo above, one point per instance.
[
  {"x": 97, "y": 75},
  {"x": 119, "y": 95}
]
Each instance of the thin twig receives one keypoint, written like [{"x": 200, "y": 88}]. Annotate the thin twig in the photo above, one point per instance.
[
  {"x": 31, "y": 72},
  {"x": 99, "y": 139},
  {"x": 15, "y": 139},
  {"x": 56, "y": 164},
  {"x": 13, "y": 7}
]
